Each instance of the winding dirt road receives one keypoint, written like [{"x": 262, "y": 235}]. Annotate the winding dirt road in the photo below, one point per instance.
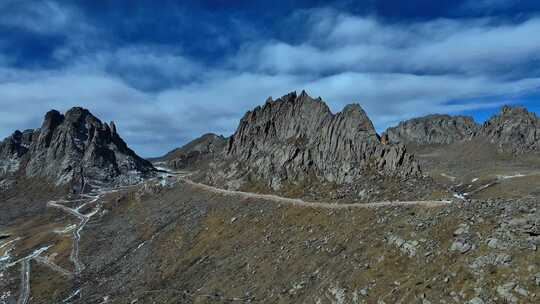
[
  {"x": 302, "y": 203},
  {"x": 91, "y": 199},
  {"x": 76, "y": 233},
  {"x": 25, "y": 273}
]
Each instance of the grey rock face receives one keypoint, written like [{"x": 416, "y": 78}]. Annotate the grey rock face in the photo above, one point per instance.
[
  {"x": 514, "y": 130},
  {"x": 409, "y": 248},
  {"x": 461, "y": 246},
  {"x": 494, "y": 259},
  {"x": 432, "y": 129},
  {"x": 12, "y": 149},
  {"x": 195, "y": 150},
  {"x": 74, "y": 148},
  {"x": 17, "y": 144},
  {"x": 296, "y": 136}
]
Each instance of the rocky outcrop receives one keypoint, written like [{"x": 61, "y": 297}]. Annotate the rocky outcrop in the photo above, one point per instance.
[
  {"x": 194, "y": 151},
  {"x": 296, "y": 136},
  {"x": 12, "y": 149},
  {"x": 432, "y": 129},
  {"x": 74, "y": 148},
  {"x": 514, "y": 130}
]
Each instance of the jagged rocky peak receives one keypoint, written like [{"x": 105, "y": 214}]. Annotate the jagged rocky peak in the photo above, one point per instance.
[
  {"x": 12, "y": 149},
  {"x": 432, "y": 129},
  {"x": 196, "y": 150},
  {"x": 296, "y": 136},
  {"x": 17, "y": 144},
  {"x": 513, "y": 129},
  {"x": 77, "y": 147}
]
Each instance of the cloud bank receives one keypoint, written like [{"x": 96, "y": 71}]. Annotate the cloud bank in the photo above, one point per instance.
[{"x": 161, "y": 96}]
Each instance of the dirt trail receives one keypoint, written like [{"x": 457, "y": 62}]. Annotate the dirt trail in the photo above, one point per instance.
[
  {"x": 302, "y": 203},
  {"x": 84, "y": 218},
  {"x": 25, "y": 282},
  {"x": 82, "y": 201},
  {"x": 93, "y": 200}
]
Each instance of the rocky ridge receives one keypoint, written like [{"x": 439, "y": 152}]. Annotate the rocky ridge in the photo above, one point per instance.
[
  {"x": 433, "y": 129},
  {"x": 513, "y": 129},
  {"x": 12, "y": 150},
  {"x": 194, "y": 151},
  {"x": 70, "y": 149},
  {"x": 297, "y": 137}
]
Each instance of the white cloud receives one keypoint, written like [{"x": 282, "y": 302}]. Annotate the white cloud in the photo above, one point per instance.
[
  {"x": 394, "y": 71},
  {"x": 344, "y": 42}
]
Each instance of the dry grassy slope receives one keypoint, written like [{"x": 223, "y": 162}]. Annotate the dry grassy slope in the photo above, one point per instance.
[
  {"x": 203, "y": 248},
  {"x": 184, "y": 245},
  {"x": 26, "y": 197},
  {"x": 471, "y": 160}
]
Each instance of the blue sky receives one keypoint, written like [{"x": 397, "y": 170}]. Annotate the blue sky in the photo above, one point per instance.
[{"x": 169, "y": 71}]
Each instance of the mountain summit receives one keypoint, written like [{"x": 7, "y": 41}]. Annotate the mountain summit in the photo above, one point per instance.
[
  {"x": 513, "y": 129},
  {"x": 296, "y": 138},
  {"x": 72, "y": 148}
]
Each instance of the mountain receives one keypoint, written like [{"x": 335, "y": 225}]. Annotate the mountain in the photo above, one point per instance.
[
  {"x": 296, "y": 137},
  {"x": 513, "y": 129},
  {"x": 72, "y": 149},
  {"x": 433, "y": 129},
  {"x": 194, "y": 151}
]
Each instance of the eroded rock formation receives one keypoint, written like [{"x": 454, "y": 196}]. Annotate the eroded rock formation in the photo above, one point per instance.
[
  {"x": 513, "y": 129},
  {"x": 72, "y": 148},
  {"x": 433, "y": 129},
  {"x": 12, "y": 149},
  {"x": 296, "y": 136}
]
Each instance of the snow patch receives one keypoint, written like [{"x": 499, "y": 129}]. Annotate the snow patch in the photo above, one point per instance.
[
  {"x": 452, "y": 178},
  {"x": 510, "y": 176},
  {"x": 460, "y": 196},
  {"x": 65, "y": 230}
]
